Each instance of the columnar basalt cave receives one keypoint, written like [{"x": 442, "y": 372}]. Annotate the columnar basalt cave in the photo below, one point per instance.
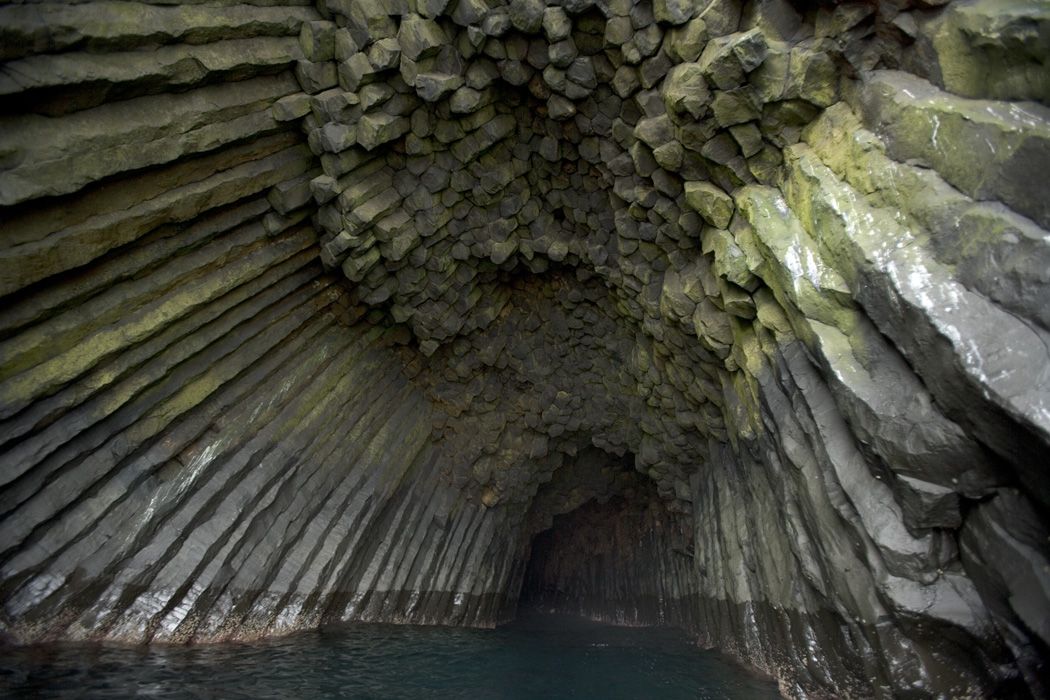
[{"x": 728, "y": 315}]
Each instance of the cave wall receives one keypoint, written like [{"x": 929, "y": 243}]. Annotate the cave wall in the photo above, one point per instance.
[
  {"x": 198, "y": 442},
  {"x": 318, "y": 312}
]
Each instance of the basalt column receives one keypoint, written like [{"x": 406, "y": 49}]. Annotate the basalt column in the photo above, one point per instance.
[{"x": 728, "y": 315}]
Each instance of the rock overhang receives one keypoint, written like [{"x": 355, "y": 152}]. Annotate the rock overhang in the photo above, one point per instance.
[{"x": 731, "y": 241}]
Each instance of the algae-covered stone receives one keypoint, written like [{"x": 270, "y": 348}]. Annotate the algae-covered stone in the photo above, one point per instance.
[
  {"x": 793, "y": 264},
  {"x": 996, "y": 252},
  {"x": 735, "y": 107},
  {"x": 315, "y": 77},
  {"x": 344, "y": 44},
  {"x": 988, "y": 49},
  {"x": 812, "y": 76},
  {"x": 687, "y": 42},
  {"x": 317, "y": 40},
  {"x": 562, "y": 53},
  {"x": 904, "y": 276},
  {"x": 556, "y": 24},
  {"x": 765, "y": 165},
  {"x": 559, "y": 107},
  {"x": 625, "y": 82},
  {"x": 496, "y": 24},
  {"x": 434, "y": 86},
  {"x": 384, "y": 54},
  {"x": 713, "y": 328},
  {"x": 669, "y": 156},
  {"x": 420, "y": 37},
  {"x": 291, "y": 107},
  {"x": 918, "y": 122},
  {"x": 729, "y": 260},
  {"x": 720, "y": 149},
  {"x": 837, "y": 20},
  {"x": 777, "y": 19},
  {"x": 675, "y": 11},
  {"x": 736, "y": 301},
  {"x": 748, "y": 137},
  {"x": 710, "y": 202},
  {"x": 378, "y": 128},
  {"x": 355, "y": 72},
  {"x": 728, "y": 59},
  {"x": 466, "y": 100},
  {"x": 527, "y": 15},
  {"x": 655, "y": 131},
  {"x": 685, "y": 90}
]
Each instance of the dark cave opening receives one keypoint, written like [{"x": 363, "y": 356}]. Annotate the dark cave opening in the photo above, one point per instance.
[
  {"x": 573, "y": 566},
  {"x": 618, "y": 553}
]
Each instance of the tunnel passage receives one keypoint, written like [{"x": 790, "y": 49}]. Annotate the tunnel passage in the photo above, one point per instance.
[
  {"x": 308, "y": 308},
  {"x": 598, "y": 540},
  {"x": 621, "y": 557}
]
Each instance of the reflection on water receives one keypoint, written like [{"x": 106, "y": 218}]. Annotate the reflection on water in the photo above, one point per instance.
[{"x": 537, "y": 657}]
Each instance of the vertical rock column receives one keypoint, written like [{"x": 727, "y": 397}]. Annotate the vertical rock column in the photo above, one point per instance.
[{"x": 195, "y": 444}]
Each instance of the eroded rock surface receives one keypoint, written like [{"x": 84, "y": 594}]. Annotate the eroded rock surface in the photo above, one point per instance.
[{"x": 730, "y": 315}]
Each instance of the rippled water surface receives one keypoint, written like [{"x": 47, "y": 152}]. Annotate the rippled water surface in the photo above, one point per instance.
[{"x": 538, "y": 657}]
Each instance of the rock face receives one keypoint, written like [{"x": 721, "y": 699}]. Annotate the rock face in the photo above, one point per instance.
[{"x": 729, "y": 315}]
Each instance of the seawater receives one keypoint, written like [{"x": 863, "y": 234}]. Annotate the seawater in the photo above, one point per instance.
[{"x": 538, "y": 656}]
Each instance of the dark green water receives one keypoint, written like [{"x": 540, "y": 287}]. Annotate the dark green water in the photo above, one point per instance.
[{"x": 539, "y": 657}]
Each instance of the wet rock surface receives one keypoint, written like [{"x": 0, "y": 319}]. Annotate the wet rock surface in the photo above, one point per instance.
[{"x": 386, "y": 310}]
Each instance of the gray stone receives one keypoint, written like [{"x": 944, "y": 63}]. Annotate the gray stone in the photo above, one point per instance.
[
  {"x": 375, "y": 129},
  {"x": 514, "y": 72},
  {"x": 618, "y": 31},
  {"x": 291, "y": 107},
  {"x": 481, "y": 74},
  {"x": 315, "y": 77},
  {"x": 496, "y": 24},
  {"x": 355, "y": 72},
  {"x": 527, "y": 15},
  {"x": 556, "y": 24},
  {"x": 344, "y": 44},
  {"x": 317, "y": 39},
  {"x": 337, "y": 137},
  {"x": 419, "y": 37},
  {"x": 626, "y": 81},
  {"x": 655, "y": 131},
  {"x": 581, "y": 72},
  {"x": 559, "y": 107},
  {"x": 434, "y": 86},
  {"x": 466, "y": 100},
  {"x": 384, "y": 54},
  {"x": 562, "y": 53}
]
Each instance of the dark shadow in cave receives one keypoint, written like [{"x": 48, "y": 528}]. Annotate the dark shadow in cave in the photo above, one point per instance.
[{"x": 619, "y": 554}]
